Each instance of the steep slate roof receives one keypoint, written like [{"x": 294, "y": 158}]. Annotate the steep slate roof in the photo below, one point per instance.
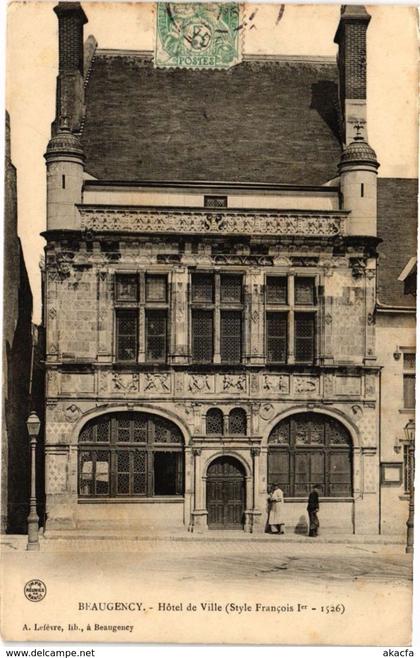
[
  {"x": 397, "y": 226},
  {"x": 261, "y": 121}
]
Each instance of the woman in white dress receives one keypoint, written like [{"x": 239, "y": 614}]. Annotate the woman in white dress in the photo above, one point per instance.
[{"x": 275, "y": 518}]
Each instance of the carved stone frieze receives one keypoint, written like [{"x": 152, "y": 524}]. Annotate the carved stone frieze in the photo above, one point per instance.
[
  {"x": 234, "y": 383},
  {"x": 170, "y": 221},
  {"x": 305, "y": 384},
  {"x": 200, "y": 383},
  {"x": 238, "y": 259},
  {"x": 275, "y": 384},
  {"x": 126, "y": 383},
  {"x": 157, "y": 382}
]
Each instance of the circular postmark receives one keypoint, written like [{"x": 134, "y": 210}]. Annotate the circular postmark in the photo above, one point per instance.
[
  {"x": 197, "y": 35},
  {"x": 35, "y": 590}
]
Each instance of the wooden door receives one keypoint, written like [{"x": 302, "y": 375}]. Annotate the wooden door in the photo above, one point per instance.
[{"x": 225, "y": 493}]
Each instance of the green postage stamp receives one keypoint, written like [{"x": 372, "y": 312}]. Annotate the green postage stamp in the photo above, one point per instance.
[{"x": 197, "y": 35}]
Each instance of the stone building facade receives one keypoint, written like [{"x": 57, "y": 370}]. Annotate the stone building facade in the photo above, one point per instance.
[
  {"x": 396, "y": 340},
  {"x": 205, "y": 339}
]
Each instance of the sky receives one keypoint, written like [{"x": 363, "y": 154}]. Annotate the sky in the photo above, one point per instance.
[{"x": 31, "y": 69}]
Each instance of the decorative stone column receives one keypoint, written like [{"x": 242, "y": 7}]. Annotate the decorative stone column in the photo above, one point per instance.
[
  {"x": 326, "y": 329},
  {"x": 178, "y": 343},
  {"x": 370, "y": 299},
  {"x": 255, "y": 513},
  {"x": 199, "y": 515},
  {"x": 254, "y": 313},
  {"x": 105, "y": 308},
  {"x": 52, "y": 346},
  {"x": 367, "y": 502}
]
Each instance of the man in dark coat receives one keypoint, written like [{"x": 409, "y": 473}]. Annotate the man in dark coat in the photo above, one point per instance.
[{"x": 313, "y": 507}]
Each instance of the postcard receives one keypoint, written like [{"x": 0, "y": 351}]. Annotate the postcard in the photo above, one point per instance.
[{"x": 209, "y": 323}]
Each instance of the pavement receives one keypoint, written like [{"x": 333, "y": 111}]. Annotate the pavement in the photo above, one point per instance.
[
  {"x": 229, "y": 555},
  {"x": 366, "y": 580},
  {"x": 59, "y": 540}
]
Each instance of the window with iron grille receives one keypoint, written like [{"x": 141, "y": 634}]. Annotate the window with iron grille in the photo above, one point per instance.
[
  {"x": 141, "y": 312},
  {"x": 155, "y": 335},
  {"x": 304, "y": 337},
  {"x": 230, "y": 336},
  {"x": 202, "y": 336},
  {"x": 276, "y": 290},
  {"x": 230, "y": 289},
  {"x": 203, "y": 288},
  {"x": 127, "y": 335},
  {"x": 216, "y": 317},
  {"x": 237, "y": 421},
  {"x": 212, "y": 201},
  {"x": 214, "y": 421},
  {"x": 307, "y": 449},
  {"x": 291, "y": 307},
  {"x": 277, "y": 337},
  {"x": 130, "y": 454}
]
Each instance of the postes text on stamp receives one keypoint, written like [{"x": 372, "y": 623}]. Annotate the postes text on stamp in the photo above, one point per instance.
[{"x": 197, "y": 35}]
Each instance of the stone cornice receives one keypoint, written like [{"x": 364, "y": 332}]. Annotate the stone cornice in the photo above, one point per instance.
[{"x": 285, "y": 223}]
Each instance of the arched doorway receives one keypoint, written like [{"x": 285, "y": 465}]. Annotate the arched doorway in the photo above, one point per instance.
[
  {"x": 130, "y": 455},
  {"x": 311, "y": 448},
  {"x": 225, "y": 493}
]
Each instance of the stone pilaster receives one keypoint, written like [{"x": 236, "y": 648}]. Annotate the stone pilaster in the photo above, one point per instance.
[
  {"x": 199, "y": 515},
  {"x": 52, "y": 343},
  {"x": 370, "y": 351},
  {"x": 178, "y": 343},
  {"x": 105, "y": 320},
  {"x": 254, "y": 314}
]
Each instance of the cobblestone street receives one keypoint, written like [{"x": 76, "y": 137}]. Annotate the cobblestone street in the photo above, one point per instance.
[{"x": 200, "y": 560}]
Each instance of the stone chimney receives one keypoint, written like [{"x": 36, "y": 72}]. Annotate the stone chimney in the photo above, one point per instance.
[
  {"x": 70, "y": 82},
  {"x": 351, "y": 40}
]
